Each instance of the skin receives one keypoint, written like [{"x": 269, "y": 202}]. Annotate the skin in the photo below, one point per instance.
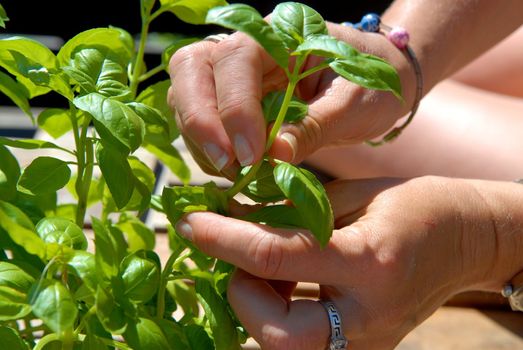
[{"x": 378, "y": 267}]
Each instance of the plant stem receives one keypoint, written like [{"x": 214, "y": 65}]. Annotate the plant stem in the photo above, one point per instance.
[
  {"x": 83, "y": 322},
  {"x": 323, "y": 65},
  {"x": 138, "y": 62},
  {"x": 46, "y": 340},
  {"x": 85, "y": 172},
  {"x": 173, "y": 260},
  {"x": 152, "y": 72}
]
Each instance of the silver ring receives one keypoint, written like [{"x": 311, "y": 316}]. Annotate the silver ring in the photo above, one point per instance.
[
  {"x": 338, "y": 340},
  {"x": 216, "y": 38}
]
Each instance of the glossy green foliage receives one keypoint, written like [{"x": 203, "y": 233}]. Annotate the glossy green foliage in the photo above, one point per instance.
[
  {"x": 191, "y": 11},
  {"x": 295, "y": 23},
  {"x": 15, "y": 285},
  {"x": 52, "y": 302},
  {"x": 244, "y": 18},
  {"x": 44, "y": 175},
  {"x": 61, "y": 231},
  {"x": 263, "y": 188},
  {"x": 308, "y": 196}
]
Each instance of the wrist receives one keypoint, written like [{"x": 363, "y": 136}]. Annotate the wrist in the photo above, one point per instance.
[{"x": 492, "y": 222}]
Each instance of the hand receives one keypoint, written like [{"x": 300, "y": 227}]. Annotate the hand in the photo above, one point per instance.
[
  {"x": 401, "y": 248},
  {"x": 217, "y": 88}
]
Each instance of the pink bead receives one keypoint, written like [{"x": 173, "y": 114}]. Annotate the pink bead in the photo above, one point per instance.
[{"x": 399, "y": 37}]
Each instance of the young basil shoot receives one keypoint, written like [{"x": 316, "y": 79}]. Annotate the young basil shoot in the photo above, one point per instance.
[{"x": 295, "y": 32}]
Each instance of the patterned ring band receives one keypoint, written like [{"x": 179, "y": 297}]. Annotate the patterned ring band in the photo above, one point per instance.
[
  {"x": 216, "y": 38},
  {"x": 337, "y": 339}
]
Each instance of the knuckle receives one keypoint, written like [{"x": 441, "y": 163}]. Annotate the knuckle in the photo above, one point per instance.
[
  {"x": 235, "y": 105},
  {"x": 191, "y": 119},
  {"x": 267, "y": 255}
]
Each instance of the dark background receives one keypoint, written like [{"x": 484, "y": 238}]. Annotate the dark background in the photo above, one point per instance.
[{"x": 65, "y": 19}]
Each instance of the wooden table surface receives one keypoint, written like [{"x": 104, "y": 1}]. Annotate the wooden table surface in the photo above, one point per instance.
[{"x": 476, "y": 321}]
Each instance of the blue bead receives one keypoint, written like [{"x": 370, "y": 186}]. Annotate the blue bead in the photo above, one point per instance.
[{"x": 370, "y": 23}]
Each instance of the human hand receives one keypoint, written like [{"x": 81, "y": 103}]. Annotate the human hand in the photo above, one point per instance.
[
  {"x": 217, "y": 90},
  {"x": 401, "y": 248}
]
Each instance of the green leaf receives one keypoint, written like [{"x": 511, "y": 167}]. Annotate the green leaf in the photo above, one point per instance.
[
  {"x": 96, "y": 71},
  {"x": 191, "y": 11},
  {"x": 296, "y": 23},
  {"x": 117, "y": 174},
  {"x": 11, "y": 339},
  {"x": 171, "y": 49},
  {"x": 61, "y": 231},
  {"x": 326, "y": 46},
  {"x": 272, "y": 102},
  {"x": 198, "y": 338},
  {"x": 282, "y": 216},
  {"x": 53, "y": 303},
  {"x": 144, "y": 180},
  {"x": 29, "y": 144},
  {"x": 180, "y": 200},
  {"x": 20, "y": 229},
  {"x": 116, "y": 122},
  {"x": 106, "y": 253},
  {"x": 16, "y": 92},
  {"x": 31, "y": 51},
  {"x": 44, "y": 175},
  {"x": 155, "y": 96},
  {"x": 111, "y": 38},
  {"x": 15, "y": 284},
  {"x": 9, "y": 173},
  {"x": 370, "y": 72},
  {"x": 41, "y": 75},
  {"x": 156, "y": 126},
  {"x": 92, "y": 342},
  {"x": 3, "y": 17},
  {"x": 146, "y": 334},
  {"x": 174, "y": 334},
  {"x": 222, "y": 325},
  {"x": 139, "y": 236},
  {"x": 309, "y": 197},
  {"x": 55, "y": 121},
  {"x": 83, "y": 265},
  {"x": 263, "y": 188},
  {"x": 246, "y": 19},
  {"x": 140, "y": 277},
  {"x": 172, "y": 159},
  {"x": 109, "y": 312}
]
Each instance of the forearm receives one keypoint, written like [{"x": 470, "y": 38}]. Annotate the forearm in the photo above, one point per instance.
[{"x": 447, "y": 34}]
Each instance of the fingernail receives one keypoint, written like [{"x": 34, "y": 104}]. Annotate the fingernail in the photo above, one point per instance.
[
  {"x": 216, "y": 155},
  {"x": 243, "y": 150},
  {"x": 291, "y": 141},
  {"x": 184, "y": 229}
]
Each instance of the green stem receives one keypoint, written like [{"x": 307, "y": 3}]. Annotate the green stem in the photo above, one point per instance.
[
  {"x": 85, "y": 172},
  {"x": 46, "y": 340},
  {"x": 152, "y": 72},
  {"x": 313, "y": 70},
  {"x": 173, "y": 260},
  {"x": 138, "y": 63}
]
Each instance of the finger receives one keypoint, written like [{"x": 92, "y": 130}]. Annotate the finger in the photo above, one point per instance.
[
  {"x": 275, "y": 322},
  {"x": 268, "y": 252},
  {"x": 238, "y": 71},
  {"x": 194, "y": 99}
]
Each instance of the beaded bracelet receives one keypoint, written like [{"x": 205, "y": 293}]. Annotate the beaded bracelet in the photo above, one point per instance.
[{"x": 400, "y": 38}]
